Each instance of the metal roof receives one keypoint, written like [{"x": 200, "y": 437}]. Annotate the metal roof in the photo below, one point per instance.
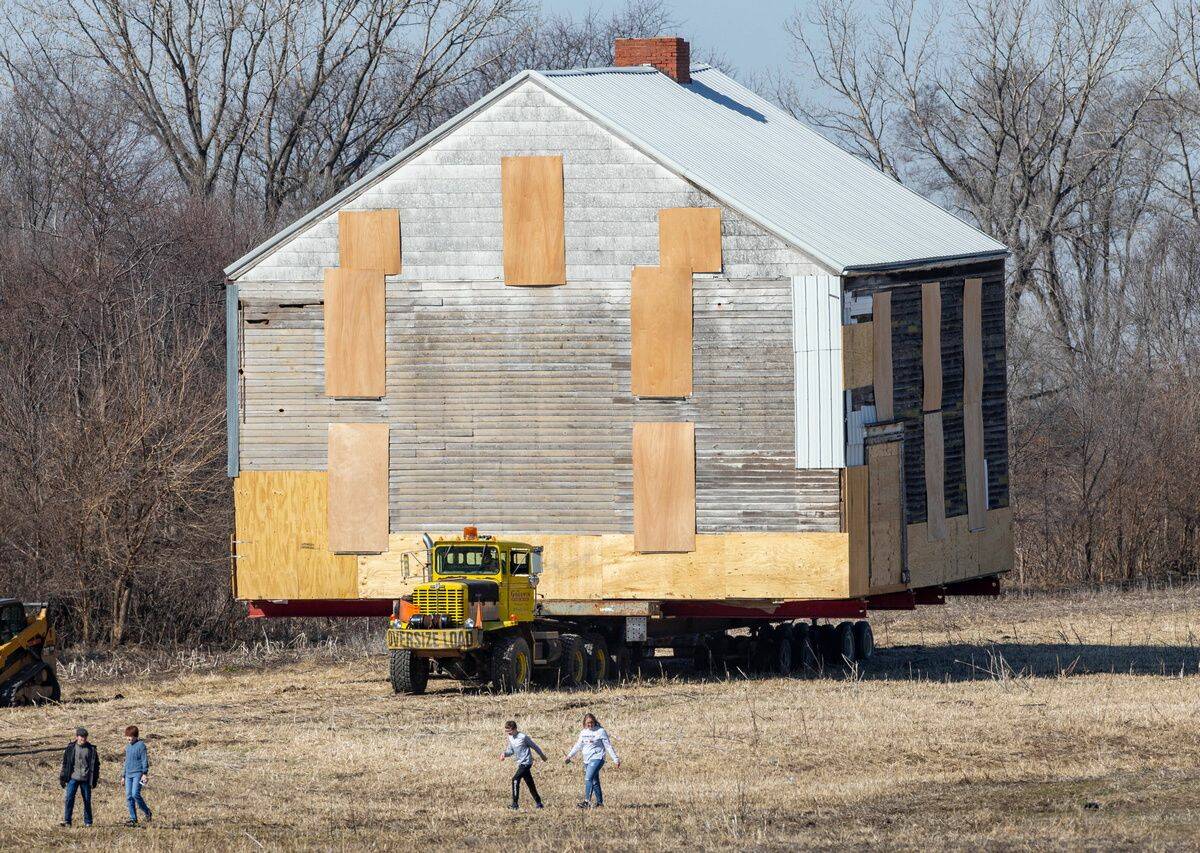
[{"x": 747, "y": 154}]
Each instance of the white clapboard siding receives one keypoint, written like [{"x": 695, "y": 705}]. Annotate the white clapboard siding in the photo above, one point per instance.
[{"x": 817, "y": 342}]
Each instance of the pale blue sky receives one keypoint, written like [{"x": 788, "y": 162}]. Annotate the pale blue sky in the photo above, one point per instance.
[{"x": 749, "y": 33}]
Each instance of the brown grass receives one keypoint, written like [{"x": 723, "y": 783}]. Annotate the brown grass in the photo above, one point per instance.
[{"x": 982, "y": 724}]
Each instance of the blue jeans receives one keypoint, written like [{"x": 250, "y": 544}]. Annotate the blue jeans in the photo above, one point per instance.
[
  {"x": 591, "y": 781},
  {"x": 85, "y": 790},
  {"x": 133, "y": 796}
]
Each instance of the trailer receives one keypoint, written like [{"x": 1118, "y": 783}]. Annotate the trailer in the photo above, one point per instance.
[{"x": 719, "y": 372}]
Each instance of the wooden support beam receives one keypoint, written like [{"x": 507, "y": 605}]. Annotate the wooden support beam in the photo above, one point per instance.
[
  {"x": 664, "y": 487},
  {"x": 660, "y": 320},
  {"x": 690, "y": 237},
  {"x": 534, "y": 229},
  {"x": 369, "y": 240},
  {"x": 935, "y": 478},
  {"x": 358, "y": 488},
  {"x": 355, "y": 317},
  {"x": 881, "y": 322},
  {"x": 931, "y": 346}
]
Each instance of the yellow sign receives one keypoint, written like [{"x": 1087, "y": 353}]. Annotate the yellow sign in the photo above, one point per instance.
[{"x": 450, "y": 638}]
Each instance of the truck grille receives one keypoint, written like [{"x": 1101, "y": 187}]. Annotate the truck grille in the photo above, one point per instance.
[{"x": 447, "y": 599}]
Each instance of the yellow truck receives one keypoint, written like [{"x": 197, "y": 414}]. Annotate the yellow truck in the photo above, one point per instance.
[{"x": 28, "y": 659}]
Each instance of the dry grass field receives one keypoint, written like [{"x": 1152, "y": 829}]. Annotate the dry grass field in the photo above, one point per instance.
[{"x": 1030, "y": 721}]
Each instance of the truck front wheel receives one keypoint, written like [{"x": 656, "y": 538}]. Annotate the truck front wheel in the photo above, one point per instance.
[
  {"x": 512, "y": 665},
  {"x": 407, "y": 672}
]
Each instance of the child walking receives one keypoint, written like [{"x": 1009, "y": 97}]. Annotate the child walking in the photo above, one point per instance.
[
  {"x": 521, "y": 747},
  {"x": 593, "y": 743},
  {"x": 137, "y": 765}
]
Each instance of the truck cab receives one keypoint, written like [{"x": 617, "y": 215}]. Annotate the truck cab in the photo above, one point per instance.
[{"x": 478, "y": 582}]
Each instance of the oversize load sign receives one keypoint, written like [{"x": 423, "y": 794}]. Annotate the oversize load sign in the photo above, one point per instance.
[{"x": 451, "y": 638}]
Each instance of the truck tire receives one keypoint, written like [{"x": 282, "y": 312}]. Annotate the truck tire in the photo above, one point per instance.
[
  {"x": 407, "y": 672},
  {"x": 512, "y": 665},
  {"x": 572, "y": 666},
  {"x": 622, "y": 662},
  {"x": 864, "y": 640},
  {"x": 764, "y": 650},
  {"x": 785, "y": 659},
  {"x": 843, "y": 645},
  {"x": 805, "y": 654},
  {"x": 600, "y": 668},
  {"x": 824, "y": 641}
]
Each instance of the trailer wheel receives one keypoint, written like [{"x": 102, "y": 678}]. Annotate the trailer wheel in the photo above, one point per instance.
[
  {"x": 784, "y": 649},
  {"x": 600, "y": 667},
  {"x": 864, "y": 640},
  {"x": 763, "y": 650},
  {"x": 573, "y": 664},
  {"x": 512, "y": 665},
  {"x": 843, "y": 648},
  {"x": 622, "y": 662},
  {"x": 407, "y": 672},
  {"x": 805, "y": 649}
]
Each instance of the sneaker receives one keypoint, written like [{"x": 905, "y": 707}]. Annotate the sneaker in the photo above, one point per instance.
[
  {"x": 513, "y": 806},
  {"x": 66, "y": 823},
  {"x": 584, "y": 804},
  {"x": 131, "y": 823},
  {"x": 539, "y": 805},
  {"x": 147, "y": 817}
]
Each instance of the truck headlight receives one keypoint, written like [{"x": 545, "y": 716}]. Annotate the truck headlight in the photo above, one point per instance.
[{"x": 470, "y": 623}]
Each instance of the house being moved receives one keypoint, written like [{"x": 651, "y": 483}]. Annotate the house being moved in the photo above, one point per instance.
[{"x": 641, "y": 317}]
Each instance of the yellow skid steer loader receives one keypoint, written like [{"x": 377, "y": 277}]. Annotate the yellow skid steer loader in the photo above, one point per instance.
[{"x": 27, "y": 654}]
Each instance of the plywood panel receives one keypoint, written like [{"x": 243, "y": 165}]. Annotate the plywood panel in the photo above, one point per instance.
[
  {"x": 886, "y": 514},
  {"x": 935, "y": 478},
  {"x": 660, "y": 319},
  {"x": 354, "y": 333},
  {"x": 972, "y": 341},
  {"x": 690, "y": 237},
  {"x": 358, "y": 488},
  {"x": 881, "y": 322},
  {"x": 858, "y": 486},
  {"x": 664, "y": 487},
  {"x": 931, "y": 346},
  {"x": 857, "y": 355},
  {"x": 282, "y": 538},
  {"x": 369, "y": 240},
  {"x": 534, "y": 242},
  {"x": 973, "y": 461},
  {"x": 756, "y": 566},
  {"x": 962, "y": 554}
]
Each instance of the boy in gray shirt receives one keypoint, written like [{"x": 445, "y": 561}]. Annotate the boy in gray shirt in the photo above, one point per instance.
[{"x": 521, "y": 747}]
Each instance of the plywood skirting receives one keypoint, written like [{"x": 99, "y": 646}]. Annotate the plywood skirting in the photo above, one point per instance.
[
  {"x": 744, "y": 566},
  {"x": 358, "y": 488},
  {"x": 664, "y": 487},
  {"x": 857, "y": 355},
  {"x": 931, "y": 346},
  {"x": 935, "y": 478},
  {"x": 690, "y": 237},
  {"x": 974, "y": 464},
  {"x": 886, "y": 514},
  {"x": 532, "y": 199},
  {"x": 355, "y": 333},
  {"x": 369, "y": 240},
  {"x": 282, "y": 538},
  {"x": 858, "y": 484},
  {"x": 972, "y": 341},
  {"x": 881, "y": 322},
  {"x": 962, "y": 554},
  {"x": 660, "y": 320}
]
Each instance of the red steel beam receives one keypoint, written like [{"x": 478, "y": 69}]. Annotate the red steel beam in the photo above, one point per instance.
[
  {"x": 978, "y": 586},
  {"x": 930, "y": 595},
  {"x": 903, "y": 600},
  {"x": 319, "y": 607}
]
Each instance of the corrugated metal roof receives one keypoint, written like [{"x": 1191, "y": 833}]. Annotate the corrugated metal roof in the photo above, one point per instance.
[
  {"x": 749, "y": 155},
  {"x": 779, "y": 172}
]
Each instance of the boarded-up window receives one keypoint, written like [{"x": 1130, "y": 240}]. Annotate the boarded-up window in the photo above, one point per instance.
[
  {"x": 856, "y": 355},
  {"x": 664, "y": 487},
  {"x": 369, "y": 240},
  {"x": 690, "y": 237},
  {"x": 660, "y": 319},
  {"x": 887, "y": 514},
  {"x": 534, "y": 242},
  {"x": 354, "y": 333},
  {"x": 358, "y": 488}
]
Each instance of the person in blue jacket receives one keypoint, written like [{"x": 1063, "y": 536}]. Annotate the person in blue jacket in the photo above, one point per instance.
[{"x": 137, "y": 765}]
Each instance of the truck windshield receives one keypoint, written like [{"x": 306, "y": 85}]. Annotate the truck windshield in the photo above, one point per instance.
[{"x": 466, "y": 560}]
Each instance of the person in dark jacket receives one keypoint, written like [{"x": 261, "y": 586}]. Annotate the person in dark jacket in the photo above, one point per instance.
[
  {"x": 137, "y": 765},
  {"x": 80, "y": 772}
]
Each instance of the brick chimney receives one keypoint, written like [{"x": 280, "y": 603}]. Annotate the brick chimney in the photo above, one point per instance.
[{"x": 671, "y": 56}]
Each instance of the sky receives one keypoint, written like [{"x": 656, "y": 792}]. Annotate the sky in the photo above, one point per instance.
[{"x": 749, "y": 33}]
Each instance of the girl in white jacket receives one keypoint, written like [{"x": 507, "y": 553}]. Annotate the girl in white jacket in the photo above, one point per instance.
[{"x": 593, "y": 743}]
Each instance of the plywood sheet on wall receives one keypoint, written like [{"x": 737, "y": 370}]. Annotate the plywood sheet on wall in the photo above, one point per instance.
[
  {"x": 886, "y": 514},
  {"x": 282, "y": 538},
  {"x": 858, "y": 484},
  {"x": 974, "y": 463},
  {"x": 664, "y": 487},
  {"x": 354, "y": 333},
  {"x": 962, "y": 554},
  {"x": 857, "y": 354},
  {"x": 931, "y": 346},
  {"x": 881, "y": 322},
  {"x": 369, "y": 240},
  {"x": 532, "y": 199},
  {"x": 690, "y": 237},
  {"x": 358, "y": 488},
  {"x": 769, "y": 566},
  {"x": 660, "y": 320},
  {"x": 935, "y": 478}
]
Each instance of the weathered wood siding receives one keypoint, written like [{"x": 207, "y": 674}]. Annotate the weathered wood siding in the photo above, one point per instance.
[{"x": 511, "y": 407}]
